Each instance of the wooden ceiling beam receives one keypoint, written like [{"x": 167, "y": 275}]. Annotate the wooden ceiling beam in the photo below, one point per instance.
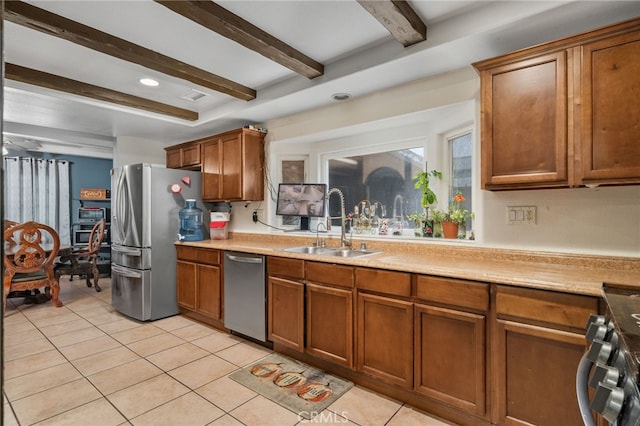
[
  {"x": 399, "y": 19},
  {"x": 218, "y": 19},
  {"x": 63, "y": 84},
  {"x": 38, "y": 19}
]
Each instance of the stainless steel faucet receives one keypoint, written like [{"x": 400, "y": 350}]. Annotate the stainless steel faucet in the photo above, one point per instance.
[
  {"x": 344, "y": 241},
  {"x": 320, "y": 242}
]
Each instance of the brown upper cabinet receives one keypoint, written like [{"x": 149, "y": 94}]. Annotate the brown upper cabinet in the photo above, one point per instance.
[
  {"x": 564, "y": 113},
  {"x": 232, "y": 164},
  {"x": 184, "y": 156}
]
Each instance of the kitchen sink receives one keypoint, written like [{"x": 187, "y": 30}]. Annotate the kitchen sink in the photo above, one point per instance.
[
  {"x": 351, "y": 253},
  {"x": 309, "y": 250},
  {"x": 326, "y": 251}
]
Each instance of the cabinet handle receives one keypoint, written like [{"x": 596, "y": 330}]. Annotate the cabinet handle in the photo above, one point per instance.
[{"x": 243, "y": 259}]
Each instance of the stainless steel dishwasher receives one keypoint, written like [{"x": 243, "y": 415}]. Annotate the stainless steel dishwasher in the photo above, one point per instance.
[{"x": 245, "y": 295}]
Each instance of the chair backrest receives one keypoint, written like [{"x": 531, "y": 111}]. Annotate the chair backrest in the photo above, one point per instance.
[
  {"x": 96, "y": 237},
  {"x": 36, "y": 246},
  {"x": 6, "y": 225}
]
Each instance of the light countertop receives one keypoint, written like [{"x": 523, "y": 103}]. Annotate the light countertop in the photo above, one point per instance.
[{"x": 573, "y": 273}]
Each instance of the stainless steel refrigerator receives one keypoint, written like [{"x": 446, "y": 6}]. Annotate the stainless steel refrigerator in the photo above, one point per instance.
[{"x": 145, "y": 203}]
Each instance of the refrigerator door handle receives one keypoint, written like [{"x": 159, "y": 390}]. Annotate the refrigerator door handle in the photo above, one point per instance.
[
  {"x": 243, "y": 259},
  {"x": 125, "y": 272},
  {"x": 120, "y": 208},
  {"x": 127, "y": 250}
]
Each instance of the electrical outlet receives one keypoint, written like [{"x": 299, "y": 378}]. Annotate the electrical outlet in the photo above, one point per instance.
[
  {"x": 255, "y": 216},
  {"x": 521, "y": 215}
]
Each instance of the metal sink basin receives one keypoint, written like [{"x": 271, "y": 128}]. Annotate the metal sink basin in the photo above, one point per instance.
[
  {"x": 351, "y": 253},
  {"x": 309, "y": 250},
  {"x": 326, "y": 251}
]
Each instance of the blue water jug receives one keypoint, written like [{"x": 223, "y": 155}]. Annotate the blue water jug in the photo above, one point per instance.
[{"x": 191, "y": 228}]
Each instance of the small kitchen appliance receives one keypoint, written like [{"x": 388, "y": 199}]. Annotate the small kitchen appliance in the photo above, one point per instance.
[{"x": 611, "y": 366}]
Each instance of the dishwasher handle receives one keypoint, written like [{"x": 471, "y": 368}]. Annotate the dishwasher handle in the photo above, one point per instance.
[{"x": 243, "y": 259}]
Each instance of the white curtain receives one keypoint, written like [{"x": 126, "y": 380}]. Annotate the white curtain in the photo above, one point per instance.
[{"x": 38, "y": 190}]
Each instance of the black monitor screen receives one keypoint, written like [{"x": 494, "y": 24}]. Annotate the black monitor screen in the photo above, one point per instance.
[{"x": 301, "y": 199}]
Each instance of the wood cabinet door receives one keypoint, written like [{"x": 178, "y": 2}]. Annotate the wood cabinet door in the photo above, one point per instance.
[
  {"x": 191, "y": 155},
  {"x": 384, "y": 339},
  {"x": 174, "y": 158},
  {"x": 209, "y": 301},
  {"x": 212, "y": 170},
  {"x": 611, "y": 110},
  {"x": 450, "y": 357},
  {"x": 536, "y": 368},
  {"x": 253, "y": 171},
  {"x": 186, "y": 277},
  {"x": 330, "y": 323},
  {"x": 524, "y": 123},
  {"x": 286, "y": 312},
  {"x": 232, "y": 152}
]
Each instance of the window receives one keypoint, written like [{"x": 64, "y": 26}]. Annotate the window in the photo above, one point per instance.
[
  {"x": 461, "y": 149},
  {"x": 379, "y": 185}
]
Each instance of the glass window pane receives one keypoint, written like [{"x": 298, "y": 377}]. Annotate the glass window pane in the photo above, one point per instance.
[
  {"x": 385, "y": 179},
  {"x": 461, "y": 160}
]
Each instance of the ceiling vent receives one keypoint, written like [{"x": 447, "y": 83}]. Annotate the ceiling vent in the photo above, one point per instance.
[{"x": 193, "y": 96}]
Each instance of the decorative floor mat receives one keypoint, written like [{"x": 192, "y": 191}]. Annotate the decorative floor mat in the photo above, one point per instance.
[{"x": 296, "y": 386}]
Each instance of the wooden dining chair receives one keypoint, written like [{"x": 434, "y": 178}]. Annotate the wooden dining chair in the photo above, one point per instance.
[
  {"x": 9, "y": 224},
  {"x": 28, "y": 265},
  {"x": 84, "y": 261}
]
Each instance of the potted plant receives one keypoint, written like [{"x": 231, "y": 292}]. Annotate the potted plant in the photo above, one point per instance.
[
  {"x": 417, "y": 219},
  {"x": 455, "y": 217},
  {"x": 438, "y": 216},
  {"x": 429, "y": 198}
]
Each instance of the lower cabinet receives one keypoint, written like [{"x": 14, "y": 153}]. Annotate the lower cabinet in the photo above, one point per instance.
[
  {"x": 199, "y": 283},
  {"x": 285, "y": 302},
  {"x": 286, "y": 312},
  {"x": 384, "y": 336},
  {"x": 385, "y": 339},
  {"x": 540, "y": 340},
  {"x": 450, "y": 342},
  {"x": 330, "y": 323},
  {"x": 474, "y": 352},
  {"x": 329, "y": 312}
]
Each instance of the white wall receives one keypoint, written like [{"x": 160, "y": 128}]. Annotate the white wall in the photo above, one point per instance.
[
  {"x": 130, "y": 150},
  {"x": 604, "y": 220}
]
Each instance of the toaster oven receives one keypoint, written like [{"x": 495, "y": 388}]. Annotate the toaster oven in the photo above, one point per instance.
[{"x": 92, "y": 214}]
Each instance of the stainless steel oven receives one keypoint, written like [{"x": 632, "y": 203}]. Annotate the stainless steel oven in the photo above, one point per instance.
[
  {"x": 87, "y": 218},
  {"x": 82, "y": 234},
  {"x": 609, "y": 372}
]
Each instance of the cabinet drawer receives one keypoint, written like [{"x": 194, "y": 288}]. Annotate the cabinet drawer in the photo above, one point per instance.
[
  {"x": 460, "y": 293},
  {"x": 292, "y": 268},
  {"x": 198, "y": 255},
  {"x": 545, "y": 306},
  {"x": 387, "y": 282},
  {"x": 329, "y": 273}
]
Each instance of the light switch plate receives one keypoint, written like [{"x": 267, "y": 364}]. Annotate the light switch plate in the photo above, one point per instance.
[{"x": 519, "y": 215}]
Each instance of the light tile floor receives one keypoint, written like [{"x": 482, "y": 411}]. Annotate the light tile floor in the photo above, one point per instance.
[{"x": 86, "y": 364}]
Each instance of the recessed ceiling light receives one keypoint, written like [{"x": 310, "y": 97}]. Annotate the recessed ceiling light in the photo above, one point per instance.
[
  {"x": 340, "y": 96},
  {"x": 149, "y": 82}
]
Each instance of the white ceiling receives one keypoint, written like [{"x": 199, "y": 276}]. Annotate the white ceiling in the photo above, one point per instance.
[{"x": 358, "y": 54}]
